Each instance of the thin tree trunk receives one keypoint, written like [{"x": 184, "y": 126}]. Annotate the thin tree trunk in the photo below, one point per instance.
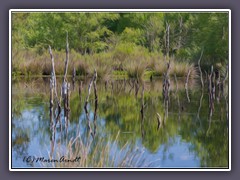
[
  {"x": 199, "y": 67},
  {"x": 55, "y": 84},
  {"x": 186, "y": 85}
]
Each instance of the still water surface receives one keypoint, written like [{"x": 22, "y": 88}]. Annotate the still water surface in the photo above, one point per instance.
[{"x": 189, "y": 137}]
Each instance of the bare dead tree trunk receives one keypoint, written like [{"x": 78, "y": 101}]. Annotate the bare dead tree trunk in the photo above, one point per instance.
[
  {"x": 67, "y": 59},
  {"x": 227, "y": 114},
  {"x": 74, "y": 77},
  {"x": 66, "y": 101},
  {"x": 202, "y": 85},
  {"x": 224, "y": 79},
  {"x": 92, "y": 82},
  {"x": 55, "y": 84},
  {"x": 213, "y": 85},
  {"x": 67, "y": 109},
  {"x": 95, "y": 119},
  {"x": 200, "y": 70},
  {"x": 210, "y": 92},
  {"x": 211, "y": 101},
  {"x": 66, "y": 85},
  {"x": 166, "y": 90},
  {"x": 96, "y": 105},
  {"x": 206, "y": 75},
  {"x": 89, "y": 88},
  {"x": 136, "y": 88},
  {"x": 186, "y": 84},
  {"x": 166, "y": 81},
  {"x": 218, "y": 85},
  {"x": 95, "y": 87},
  {"x": 165, "y": 45},
  {"x": 159, "y": 121},
  {"x": 180, "y": 36},
  {"x": 53, "y": 73},
  {"x": 51, "y": 99},
  {"x": 142, "y": 112},
  {"x": 168, "y": 40}
]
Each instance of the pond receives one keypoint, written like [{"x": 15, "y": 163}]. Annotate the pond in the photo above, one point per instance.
[{"x": 123, "y": 130}]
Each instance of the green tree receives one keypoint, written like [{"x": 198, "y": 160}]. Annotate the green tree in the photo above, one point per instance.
[{"x": 207, "y": 31}]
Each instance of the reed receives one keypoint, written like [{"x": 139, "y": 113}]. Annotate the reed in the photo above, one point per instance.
[
  {"x": 28, "y": 62},
  {"x": 97, "y": 153},
  {"x": 135, "y": 68},
  {"x": 180, "y": 69},
  {"x": 82, "y": 68},
  {"x": 103, "y": 68}
]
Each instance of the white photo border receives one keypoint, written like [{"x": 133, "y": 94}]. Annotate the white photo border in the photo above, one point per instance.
[{"x": 114, "y": 10}]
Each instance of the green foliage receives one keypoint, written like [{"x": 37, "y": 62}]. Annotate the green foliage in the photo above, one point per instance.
[
  {"x": 125, "y": 35},
  {"x": 128, "y": 50},
  {"x": 119, "y": 109},
  {"x": 132, "y": 35},
  {"x": 208, "y": 31}
]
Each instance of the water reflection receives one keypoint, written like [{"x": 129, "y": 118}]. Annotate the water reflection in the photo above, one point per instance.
[{"x": 135, "y": 109}]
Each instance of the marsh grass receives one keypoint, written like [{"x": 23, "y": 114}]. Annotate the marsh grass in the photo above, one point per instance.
[
  {"x": 81, "y": 67},
  {"x": 103, "y": 68},
  {"x": 135, "y": 68},
  {"x": 97, "y": 153},
  {"x": 180, "y": 69},
  {"x": 28, "y": 62}
]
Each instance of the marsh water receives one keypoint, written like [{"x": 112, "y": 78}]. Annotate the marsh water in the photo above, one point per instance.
[{"x": 126, "y": 113}]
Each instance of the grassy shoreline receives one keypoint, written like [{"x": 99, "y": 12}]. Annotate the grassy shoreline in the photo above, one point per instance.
[{"x": 29, "y": 63}]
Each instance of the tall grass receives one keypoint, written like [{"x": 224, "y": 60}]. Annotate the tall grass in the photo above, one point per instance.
[
  {"x": 103, "y": 66},
  {"x": 98, "y": 153},
  {"x": 178, "y": 68},
  {"x": 135, "y": 68},
  {"x": 28, "y": 62},
  {"x": 81, "y": 67}
]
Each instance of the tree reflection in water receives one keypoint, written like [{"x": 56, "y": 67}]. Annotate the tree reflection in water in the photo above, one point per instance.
[{"x": 131, "y": 110}]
